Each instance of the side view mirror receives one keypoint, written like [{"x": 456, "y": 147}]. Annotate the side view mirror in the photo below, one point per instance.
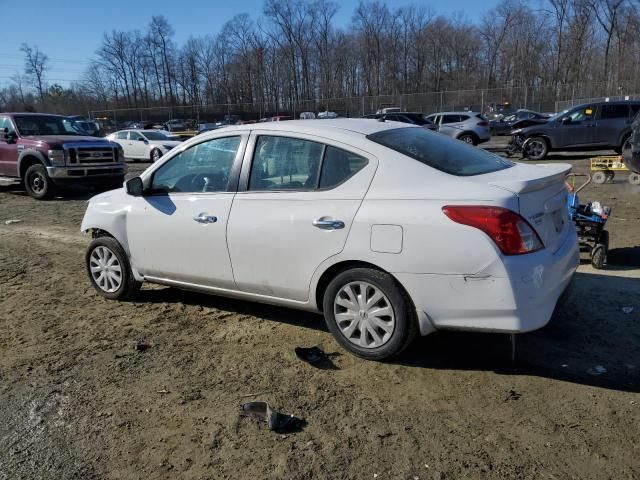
[
  {"x": 8, "y": 137},
  {"x": 134, "y": 187},
  {"x": 142, "y": 140},
  {"x": 566, "y": 120}
]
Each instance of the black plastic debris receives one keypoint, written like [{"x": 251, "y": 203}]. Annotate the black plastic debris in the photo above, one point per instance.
[
  {"x": 316, "y": 356},
  {"x": 276, "y": 421},
  {"x": 141, "y": 345}
]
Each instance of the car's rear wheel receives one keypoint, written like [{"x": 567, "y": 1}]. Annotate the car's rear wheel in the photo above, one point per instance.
[
  {"x": 369, "y": 314},
  {"x": 468, "y": 138},
  {"x": 155, "y": 155},
  {"x": 109, "y": 269},
  {"x": 536, "y": 148},
  {"x": 37, "y": 182}
]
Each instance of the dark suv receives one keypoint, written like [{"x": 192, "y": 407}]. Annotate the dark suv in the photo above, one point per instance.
[
  {"x": 591, "y": 126},
  {"x": 46, "y": 151}
]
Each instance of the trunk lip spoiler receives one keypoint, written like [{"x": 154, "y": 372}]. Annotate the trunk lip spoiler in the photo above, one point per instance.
[{"x": 554, "y": 173}]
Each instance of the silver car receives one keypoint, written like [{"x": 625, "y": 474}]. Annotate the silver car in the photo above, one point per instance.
[{"x": 470, "y": 127}]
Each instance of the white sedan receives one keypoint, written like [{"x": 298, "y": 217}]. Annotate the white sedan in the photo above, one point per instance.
[
  {"x": 387, "y": 229},
  {"x": 143, "y": 144}
]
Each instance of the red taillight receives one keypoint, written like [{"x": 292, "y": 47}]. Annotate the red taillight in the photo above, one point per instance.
[
  {"x": 483, "y": 124},
  {"x": 511, "y": 233}
]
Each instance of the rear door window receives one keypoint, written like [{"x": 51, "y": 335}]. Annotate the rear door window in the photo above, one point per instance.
[
  {"x": 614, "y": 111},
  {"x": 338, "y": 166},
  {"x": 439, "y": 152}
]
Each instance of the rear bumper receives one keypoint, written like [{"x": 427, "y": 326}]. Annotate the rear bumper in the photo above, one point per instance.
[
  {"x": 87, "y": 172},
  {"x": 521, "y": 298}
]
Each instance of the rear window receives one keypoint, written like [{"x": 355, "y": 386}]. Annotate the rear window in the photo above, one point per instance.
[{"x": 440, "y": 152}]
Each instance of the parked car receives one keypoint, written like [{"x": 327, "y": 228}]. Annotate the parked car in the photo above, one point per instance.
[
  {"x": 592, "y": 126},
  {"x": 143, "y": 144},
  {"x": 405, "y": 117},
  {"x": 388, "y": 229},
  {"x": 175, "y": 125},
  {"x": 90, "y": 127},
  {"x": 327, "y": 114},
  {"x": 307, "y": 116},
  {"x": 389, "y": 110},
  {"x": 504, "y": 125},
  {"x": 280, "y": 118},
  {"x": 49, "y": 151},
  {"x": 469, "y": 127}
]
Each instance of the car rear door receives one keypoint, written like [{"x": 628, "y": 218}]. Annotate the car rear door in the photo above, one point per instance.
[
  {"x": 450, "y": 125},
  {"x": 612, "y": 119},
  {"x": 296, "y": 201}
]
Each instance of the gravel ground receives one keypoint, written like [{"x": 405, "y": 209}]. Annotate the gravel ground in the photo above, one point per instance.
[{"x": 77, "y": 401}]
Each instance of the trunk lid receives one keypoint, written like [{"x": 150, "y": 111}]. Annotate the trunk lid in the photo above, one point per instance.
[{"x": 542, "y": 197}]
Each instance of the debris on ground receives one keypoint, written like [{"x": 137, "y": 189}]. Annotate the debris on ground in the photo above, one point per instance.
[
  {"x": 141, "y": 345},
  {"x": 276, "y": 421},
  {"x": 597, "y": 370},
  {"x": 316, "y": 356},
  {"x": 513, "y": 395},
  {"x": 12, "y": 221},
  {"x": 627, "y": 310}
]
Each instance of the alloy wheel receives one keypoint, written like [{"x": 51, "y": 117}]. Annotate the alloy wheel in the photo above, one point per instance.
[{"x": 364, "y": 314}]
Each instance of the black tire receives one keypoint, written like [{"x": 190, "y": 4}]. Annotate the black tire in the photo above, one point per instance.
[
  {"x": 468, "y": 138},
  {"x": 406, "y": 324},
  {"x": 599, "y": 256},
  {"x": 155, "y": 155},
  {"x": 37, "y": 182},
  {"x": 128, "y": 285},
  {"x": 599, "y": 177},
  {"x": 536, "y": 148},
  {"x": 610, "y": 176}
]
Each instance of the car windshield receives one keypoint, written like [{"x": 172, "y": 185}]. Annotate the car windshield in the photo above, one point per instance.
[
  {"x": 43, "y": 125},
  {"x": 558, "y": 115},
  {"x": 440, "y": 152},
  {"x": 155, "y": 136}
]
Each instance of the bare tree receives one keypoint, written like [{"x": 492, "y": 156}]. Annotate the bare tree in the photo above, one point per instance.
[{"x": 35, "y": 65}]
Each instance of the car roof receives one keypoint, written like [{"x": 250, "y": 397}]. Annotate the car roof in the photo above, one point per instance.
[
  {"x": 34, "y": 114},
  {"x": 464, "y": 112},
  {"x": 321, "y": 127}
]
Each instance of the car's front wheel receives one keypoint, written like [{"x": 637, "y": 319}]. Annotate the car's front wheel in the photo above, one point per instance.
[
  {"x": 109, "y": 269},
  {"x": 536, "y": 148},
  {"x": 369, "y": 314}
]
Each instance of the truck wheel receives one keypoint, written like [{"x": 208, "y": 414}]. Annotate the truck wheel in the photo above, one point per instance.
[
  {"x": 369, "y": 314},
  {"x": 598, "y": 256},
  {"x": 37, "y": 182},
  {"x": 536, "y": 148},
  {"x": 109, "y": 269}
]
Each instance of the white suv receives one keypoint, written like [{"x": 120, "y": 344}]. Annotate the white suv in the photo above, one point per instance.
[
  {"x": 469, "y": 127},
  {"x": 388, "y": 229}
]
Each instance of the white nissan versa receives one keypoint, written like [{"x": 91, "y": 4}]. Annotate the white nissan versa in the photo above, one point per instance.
[{"x": 390, "y": 230}]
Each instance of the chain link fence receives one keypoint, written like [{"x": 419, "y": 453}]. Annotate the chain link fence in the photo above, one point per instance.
[{"x": 540, "y": 98}]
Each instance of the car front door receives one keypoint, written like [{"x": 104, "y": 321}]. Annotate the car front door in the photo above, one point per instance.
[
  {"x": 8, "y": 148},
  {"x": 579, "y": 129},
  {"x": 612, "y": 120},
  {"x": 137, "y": 145},
  {"x": 296, "y": 201},
  {"x": 177, "y": 231}
]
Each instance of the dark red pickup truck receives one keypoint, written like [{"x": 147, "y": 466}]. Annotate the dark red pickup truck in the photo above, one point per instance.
[{"x": 48, "y": 151}]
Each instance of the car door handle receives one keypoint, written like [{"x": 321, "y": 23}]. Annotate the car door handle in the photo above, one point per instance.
[
  {"x": 204, "y": 218},
  {"x": 324, "y": 223}
]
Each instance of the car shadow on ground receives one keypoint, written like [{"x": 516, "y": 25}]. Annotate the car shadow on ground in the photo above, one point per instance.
[
  {"x": 589, "y": 330},
  {"x": 627, "y": 256}
]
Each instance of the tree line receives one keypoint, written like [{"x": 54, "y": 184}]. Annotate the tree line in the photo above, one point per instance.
[{"x": 294, "y": 51}]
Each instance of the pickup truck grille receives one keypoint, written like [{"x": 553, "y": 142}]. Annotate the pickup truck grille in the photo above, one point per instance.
[{"x": 88, "y": 155}]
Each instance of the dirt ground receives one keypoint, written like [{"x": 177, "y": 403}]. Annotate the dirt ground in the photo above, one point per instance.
[{"x": 77, "y": 401}]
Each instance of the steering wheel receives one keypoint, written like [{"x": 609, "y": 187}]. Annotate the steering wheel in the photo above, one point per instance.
[{"x": 207, "y": 182}]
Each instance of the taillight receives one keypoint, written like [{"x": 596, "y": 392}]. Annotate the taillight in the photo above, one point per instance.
[
  {"x": 511, "y": 233},
  {"x": 483, "y": 124}
]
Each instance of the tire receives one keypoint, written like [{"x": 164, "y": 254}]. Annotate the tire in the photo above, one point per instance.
[
  {"x": 37, "y": 182},
  {"x": 155, "y": 155},
  {"x": 99, "y": 254},
  {"x": 634, "y": 179},
  {"x": 468, "y": 138},
  {"x": 625, "y": 145},
  {"x": 599, "y": 256},
  {"x": 401, "y": 326},
  {"x": 599, "y": 177},
  {"x": 610, "y": 176},
  {"x": 536, "y": 148}
]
